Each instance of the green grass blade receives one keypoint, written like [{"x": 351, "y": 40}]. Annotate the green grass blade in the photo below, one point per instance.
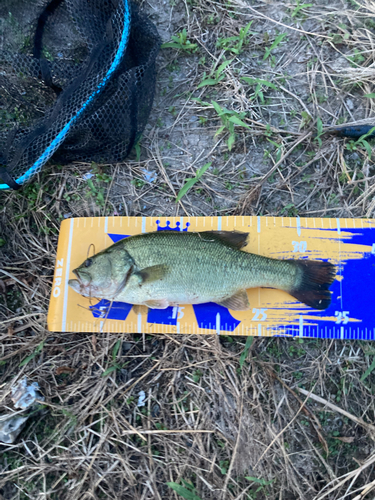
[
  {"x": 116, "y": 349},
  {"x": 208, "y": 81},
  {"x": 185, "y": 188},
  {"x": 202, "y": 170},
  {"x": 237, "y": 121},
  {"x": 222, "y": 67},
  {"x": 183, "y": 492},
  {"x": 231, "y": 140},
  {"x": 368, "y": 147},
  {"x": 31, "y": 356},
  {"x": 170, "y": 45},
  {"x": 263, "y": 482},
  {"x": 110, "y": 370},
  {"x": 190, "y": 183},
  {"x": 249, "y": 343},
  {"x": 219, "y": 110},
  {"x": 252, "y": 81},
  {"x": 370, "y": 369}
]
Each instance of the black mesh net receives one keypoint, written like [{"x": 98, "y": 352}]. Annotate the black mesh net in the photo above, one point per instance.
[{"x": 77, "y": 81}]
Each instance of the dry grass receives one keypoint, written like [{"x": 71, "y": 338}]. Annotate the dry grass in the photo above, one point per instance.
[{"x": 296, "y": 416}]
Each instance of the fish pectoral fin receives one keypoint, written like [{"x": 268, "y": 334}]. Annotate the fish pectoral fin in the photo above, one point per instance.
[
  {"x": 140, "y": 309},
  {"x": 152, "y": 273},
  {"x": 234, "y": 239},
  {"x": 237, "y": 302},
  {"x": 157, "y": 304}
]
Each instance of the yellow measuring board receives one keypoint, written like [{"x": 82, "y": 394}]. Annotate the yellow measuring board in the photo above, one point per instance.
[{"x": 347, "y": 243}]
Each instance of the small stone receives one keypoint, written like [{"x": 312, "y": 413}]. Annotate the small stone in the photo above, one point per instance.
[{"x": 350, "y": 104}]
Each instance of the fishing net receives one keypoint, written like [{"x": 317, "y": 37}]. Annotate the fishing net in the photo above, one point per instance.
[{"x": 77, "y": 81}]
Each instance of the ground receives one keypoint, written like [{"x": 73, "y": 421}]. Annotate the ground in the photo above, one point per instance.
[{"x": 250, "y": 88}]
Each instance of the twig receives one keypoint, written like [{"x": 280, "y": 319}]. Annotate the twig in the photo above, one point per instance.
[{"x": 369, "y": 427}]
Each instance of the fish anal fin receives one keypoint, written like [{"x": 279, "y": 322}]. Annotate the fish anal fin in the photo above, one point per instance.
[
  {"x": 157, "y": 304},
  {"x": 152, "y": 273},
  {"x": 236, "y": 302},
  {"x": 234, "y": 239}
]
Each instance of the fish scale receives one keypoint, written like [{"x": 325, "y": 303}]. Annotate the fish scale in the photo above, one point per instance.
[{"x": 200, "y": 267}]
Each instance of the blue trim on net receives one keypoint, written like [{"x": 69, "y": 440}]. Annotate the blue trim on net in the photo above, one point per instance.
[{"x": 60, "y": 137}]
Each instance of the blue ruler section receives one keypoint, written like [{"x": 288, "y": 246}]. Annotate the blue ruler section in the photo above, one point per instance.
[
  {"x": 352, "y": 297},
  {"x": 352, "y": 300}
]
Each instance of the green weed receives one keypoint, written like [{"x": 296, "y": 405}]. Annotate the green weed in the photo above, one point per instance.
[
  {"x": 180, "y": 42},
  {"x": 235, "y": 43},
  {"x": 368, "y": 372},
  {"x": 356, "y": 59},
  {"x": 280, "y": 37},
  {"x": 261, "y": 485},
  {"x": 319, "y": 127},
  {"x": 190, "y": 183},
  {"x": 306, "y": 118},
  {"x": 216, "y": 77},
  {"x": 138, "y": 183},
  {"x": 31, "y": 356},
  {"x": 289, "y": 210},
  {"x": 229, "y": 119},
  {"x": 187, "y": 491},
  {"x": 95, "y": 189},
  {"x": 249, "y": 343},
  {"x": 258, "y": 86},
  {"x": 353, "y": 145},
  {"x": 296, "y": 11},
  {"x": 114, "y": 366}
]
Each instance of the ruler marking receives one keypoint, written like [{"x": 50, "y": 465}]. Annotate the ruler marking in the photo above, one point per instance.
[
  {"x": 218, "y": 323},
  {"x": 300, "y": 332},
  {"x": 67, "y": 271}
]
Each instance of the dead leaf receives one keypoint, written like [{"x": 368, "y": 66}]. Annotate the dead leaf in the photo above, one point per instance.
[
  {"x": 94, "y": 342},
  {"x": 64, "y": 369},
  {"x": 345, "y": 439}
]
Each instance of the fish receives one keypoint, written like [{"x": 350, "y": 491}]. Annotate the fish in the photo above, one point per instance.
[{"x": 167, "y": 268}]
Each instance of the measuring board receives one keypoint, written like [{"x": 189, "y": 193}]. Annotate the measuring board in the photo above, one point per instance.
[{"x": 347, "y": 243}]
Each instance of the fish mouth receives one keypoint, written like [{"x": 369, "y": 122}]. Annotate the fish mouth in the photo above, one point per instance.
[
  {"x": 84, "y": 279},
  {"x": 82, "y": 284},
  {"x": 76, "y": 285}
]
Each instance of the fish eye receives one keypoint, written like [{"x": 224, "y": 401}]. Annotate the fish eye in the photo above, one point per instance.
[{"x": 88, "y": 262}]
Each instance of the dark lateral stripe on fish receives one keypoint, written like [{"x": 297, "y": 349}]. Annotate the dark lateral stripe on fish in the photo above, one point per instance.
[{"x": 316, "y": 278}]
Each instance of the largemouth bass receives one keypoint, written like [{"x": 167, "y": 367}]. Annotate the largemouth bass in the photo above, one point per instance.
[{"x": 168, "y": 268}]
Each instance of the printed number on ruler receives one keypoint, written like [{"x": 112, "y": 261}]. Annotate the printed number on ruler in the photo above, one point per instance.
[
  {"x": 259, "y": 314},
  {"x": 299, "y": 246},
  {"x": 342, "y": 317},
  {"x": 178, "y": 312}
]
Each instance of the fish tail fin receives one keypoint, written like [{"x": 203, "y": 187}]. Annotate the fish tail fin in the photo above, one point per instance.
[{"x": 314, "y": 282}]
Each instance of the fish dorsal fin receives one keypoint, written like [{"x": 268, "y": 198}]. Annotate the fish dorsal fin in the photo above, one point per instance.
[
  {"x": 235, "y": 239},
  {"x": 236, "y": 302},
  {"x": 152, "y": 273}
]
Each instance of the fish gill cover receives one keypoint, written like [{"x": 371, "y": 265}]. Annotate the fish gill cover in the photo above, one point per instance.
[{"x": 77, "y": 82}]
